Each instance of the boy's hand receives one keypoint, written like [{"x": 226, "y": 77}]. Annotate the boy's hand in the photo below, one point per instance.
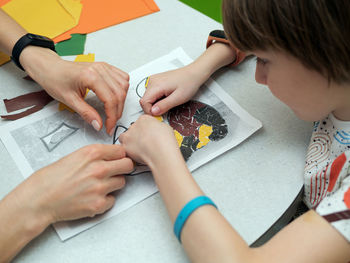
[
  {"x": 169, "y": 89},
  {"x": 149, "y": 141}
]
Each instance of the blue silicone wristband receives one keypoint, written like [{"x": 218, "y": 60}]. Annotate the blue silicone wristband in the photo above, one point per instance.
[{"x": 187, "y": 210}]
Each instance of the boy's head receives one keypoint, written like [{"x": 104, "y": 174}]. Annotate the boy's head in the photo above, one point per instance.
[{"x": 302, "y": 46}]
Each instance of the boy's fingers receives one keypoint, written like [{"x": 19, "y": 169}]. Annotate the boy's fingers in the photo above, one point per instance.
[
  {"x": 166, "y": 104},
  {"x": 150, "y": 97}
]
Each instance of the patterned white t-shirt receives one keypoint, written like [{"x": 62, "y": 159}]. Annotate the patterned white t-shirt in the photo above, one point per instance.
[{"x": 327, "y": 173}]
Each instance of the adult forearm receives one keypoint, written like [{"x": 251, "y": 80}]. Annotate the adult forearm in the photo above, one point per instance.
[
  {"x": 35, "y": 60},
  {"x": 10, "y": 32},
  {"x": 20, "y": 222}
]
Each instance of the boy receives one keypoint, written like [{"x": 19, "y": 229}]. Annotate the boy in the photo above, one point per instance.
[{"x": 303, "y": 57}]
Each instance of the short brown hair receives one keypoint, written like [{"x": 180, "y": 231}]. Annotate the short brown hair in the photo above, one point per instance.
[{"x": 316, "y": 32}]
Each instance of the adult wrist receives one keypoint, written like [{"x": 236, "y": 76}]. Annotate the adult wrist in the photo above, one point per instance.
[
  {"x": 38, "y": 62},
  {"x": 30, "y": 221},
  {"x": 30, "y": 40}
]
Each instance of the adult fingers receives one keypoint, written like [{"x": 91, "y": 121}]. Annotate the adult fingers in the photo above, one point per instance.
[
  {"x": 122, "y": 73},
  {"x": 102, "y": 205},
  {"x": 118, "y": 167},
  {"x": 118, "y": 84},
  {"x": 106, "y": 152},
  {"x": 120, "y": 90},
  {"x": 87, "y": 112},
  {"x": 99, "y": 81},
  {"x": 115, "y": 183}
]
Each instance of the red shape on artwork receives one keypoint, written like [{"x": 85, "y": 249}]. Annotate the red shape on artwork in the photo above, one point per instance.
[
  {"x": 182, "y": 119},
  {"x": 347, "y": 198},
  {"x": 336, "y": 167}
]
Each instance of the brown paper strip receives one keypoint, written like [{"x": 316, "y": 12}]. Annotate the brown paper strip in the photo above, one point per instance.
[{"x": 36, "y": 99}]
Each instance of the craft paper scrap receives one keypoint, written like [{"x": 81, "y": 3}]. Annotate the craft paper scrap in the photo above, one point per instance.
[
  {"x": 35, "y": 100},
  {"x": 48, "y": 18},
  {"x": 211, "y": 8},
  {"x": 4, "y": 58},
  {"x": 205, "y": 127},
  {"x": 73, "y": 46},
  {"x": 80, "y": 58},
  {"x": 2, "y": 2},
  {"x": 100, "y": 14}
]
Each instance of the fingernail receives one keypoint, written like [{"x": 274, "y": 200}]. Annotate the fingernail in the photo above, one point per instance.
[
  {"x": 155, "y": 110},
  {"x": 95, "y": 124},
  {"x": 111, "y": 133}
]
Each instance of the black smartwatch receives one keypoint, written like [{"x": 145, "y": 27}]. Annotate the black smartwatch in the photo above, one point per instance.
[{"x": 30, "y": 40}]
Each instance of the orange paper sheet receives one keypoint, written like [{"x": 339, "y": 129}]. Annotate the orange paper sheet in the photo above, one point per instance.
[
  {"x": 2, "y": 2},
  {"x": 4, "y": 58},
  {"x": 99, "y": 14}
]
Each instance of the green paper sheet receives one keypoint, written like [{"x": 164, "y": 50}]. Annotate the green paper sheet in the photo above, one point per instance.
[
  {"x": 73, "y": 46},
  {"x": 211, "y": 8}
]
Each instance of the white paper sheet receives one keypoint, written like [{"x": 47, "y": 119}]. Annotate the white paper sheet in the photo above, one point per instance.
[{"x": 46, "y": 136}]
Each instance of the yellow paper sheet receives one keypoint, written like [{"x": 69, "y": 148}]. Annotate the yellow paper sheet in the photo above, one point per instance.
[
  {"x": 4, "y": 58},
  {"x": 49, "y": 17},
  {"x": 80, "y": 58}
]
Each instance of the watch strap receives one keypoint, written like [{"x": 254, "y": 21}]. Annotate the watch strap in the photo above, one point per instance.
[
  {"x": 30, "y": 40},
  {"x": 219, "y": 36}
]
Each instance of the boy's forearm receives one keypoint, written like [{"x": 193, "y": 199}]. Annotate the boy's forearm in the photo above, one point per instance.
[
  {"x": 215, "y": 57},
  {"x": 206, "y": 236},
  {"x": 20, "y": 223}
]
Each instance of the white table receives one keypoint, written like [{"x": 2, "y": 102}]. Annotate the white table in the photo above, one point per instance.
[{"x": 253, "y": 185}]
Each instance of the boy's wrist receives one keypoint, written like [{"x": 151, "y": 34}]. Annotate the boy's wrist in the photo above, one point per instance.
[
  {"x": 215, "y": 57},
  {"x": 165, "y": 156}
]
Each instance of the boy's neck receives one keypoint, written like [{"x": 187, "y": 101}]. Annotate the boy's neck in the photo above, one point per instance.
[{"x": 342, "y": 112}]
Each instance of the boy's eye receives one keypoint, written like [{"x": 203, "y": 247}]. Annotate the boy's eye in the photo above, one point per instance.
[{"x": 261, "y": 61}]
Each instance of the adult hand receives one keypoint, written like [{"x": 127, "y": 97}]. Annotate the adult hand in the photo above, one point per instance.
[
  {"x": 78, "y": 185},
  {"x": 67, "y": 82},
  {"x": 148, "y": 140},
  {"x": 169, "y": 89}
]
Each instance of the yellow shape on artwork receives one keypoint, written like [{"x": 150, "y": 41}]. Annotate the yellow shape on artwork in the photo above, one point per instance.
[
  {"x": 159, "y": 118},
  {"x": 4, "y": 58},
  {"x": 80, "y": 58},
  {"x": 204, "y": 133},
  {"x": 50, "y": 18},
  {"x": 178, "y": 137}
]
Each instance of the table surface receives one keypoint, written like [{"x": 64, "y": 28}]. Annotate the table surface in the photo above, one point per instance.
[{"x": 253, "y": 184}]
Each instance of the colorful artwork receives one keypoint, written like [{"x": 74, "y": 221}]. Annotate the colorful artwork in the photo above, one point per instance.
[{"x": 195, "y": 124}]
